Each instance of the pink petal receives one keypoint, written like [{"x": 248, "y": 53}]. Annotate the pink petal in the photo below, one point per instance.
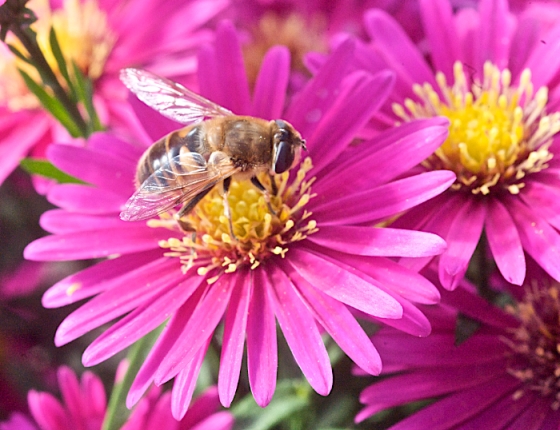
[
  {"x": 440, "y": 29},
  {"x": 185, "y": 383},
  {"x": 140, "y": 322},
  {"x": 382, "y": 201},
  {"x": 413, "y": 321},
  {"x": 545, "y": 196},
  {"x": 47, "y": 411},
  {"x": 345, "y": 284},
  {"x": 94, "y": 398},
  {"x": 506, "y": 413},
  {"x": 462, "y": 238},
  {"x": 204, "y": 405},
  {"x": 494, "y": 33},
  {"x": 388, "y": 242},
  {"x": 505, "y": 243},
  {"x": 544, "y": 60},
  {"x": 270, "y": 88},
  {"x": 204, "y": 319},
  {"x": 136, "y": 288},
  {"x": 262, "y": 355},
  {"x": 338, "y": 322},
  {"x": 234, "y": 339},
  {"x": 217, "y": 421},
  {"x": 300, "y": 332},
  {"x": 95, "y": 279},
  {"x": 71, "y": 393},
  {"x": 85, "y": 199},
  {"x": 59, "y": 221}
]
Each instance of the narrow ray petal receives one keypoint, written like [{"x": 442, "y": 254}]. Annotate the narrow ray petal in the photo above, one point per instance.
[{"x": 270, "y": 88}]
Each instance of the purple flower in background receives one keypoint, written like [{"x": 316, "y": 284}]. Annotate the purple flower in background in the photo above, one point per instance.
[
  {"x": 302, "y": 266},
  {"x": 495, "y": 77},
  {"x": 84, "y": 406},
  {"x": 101, "y": 36},
  {"x": 505, "y": 375}
]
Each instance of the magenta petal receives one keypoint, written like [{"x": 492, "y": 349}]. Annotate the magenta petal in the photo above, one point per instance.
[
  {"x": 339, "y": 323},
  {"x": 437, "y": 18},
  {"x": 59, "y": 221},
  {"x": 544, "y": 61},
  {"x": 382, "y": 201},
  {"x": 344, "y": 284},
  {"x": 219, "y": 421},
  {"x": 505, "y": 243},
  {"x": 47, "y": 411},
  {"x": 204, "y": 319},
  {"x": 544, "y": 195},
  {"x": 85, "y": 199},
  {"x": 204, "y": 405},
  {"x": 135, "y": 288},
  {"x": 413, "y": 321},
  {"x": 131, "y": 237},
  {"x": 494, "y": 33},
  {"x": 185, "y": 383},
  {"x": 388, "y": 242},
  {"x": 270, "y": 88},
  {"x": 539, "y": 239},
  {"x": 95, "y": 279},
  {"x": 140, "y": 322},
  {"x": 71, "y": 393},
  {"x": 234, "y": 338},
  {"x": 262, "y": 350},
  {"x": 301, "y": 333},
  {"x": 462, "y": 239},
  {"x": 94, "y": 398}
]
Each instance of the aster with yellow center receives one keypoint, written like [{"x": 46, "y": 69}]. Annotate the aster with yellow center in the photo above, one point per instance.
[{"x": 498, "y": 133}]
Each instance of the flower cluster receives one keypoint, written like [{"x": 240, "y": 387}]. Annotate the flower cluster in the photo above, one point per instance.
[{"x": 253, "y": 191}]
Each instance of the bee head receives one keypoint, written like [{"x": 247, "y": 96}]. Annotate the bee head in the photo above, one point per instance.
[{"x": 286, "y": 146}]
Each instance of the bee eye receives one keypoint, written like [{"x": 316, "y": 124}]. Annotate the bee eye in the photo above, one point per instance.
[{"x": 284, "y": 157}]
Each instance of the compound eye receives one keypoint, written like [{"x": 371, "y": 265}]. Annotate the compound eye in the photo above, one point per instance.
[{"x": 284, "y": 157}]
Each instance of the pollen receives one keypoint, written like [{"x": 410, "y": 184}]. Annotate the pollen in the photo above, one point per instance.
[
  {"x": 84, "y": 37},
  {"x": 534, "y": 347},
  {"x": 498, "y": 134},
  {"x": 260, "y": 229}
]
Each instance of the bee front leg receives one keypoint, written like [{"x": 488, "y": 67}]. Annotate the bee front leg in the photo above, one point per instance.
[
  {"x": 273, "y": 184},
  {"x": 226, "y": 183},
  {"x": 265, "y": 192}
]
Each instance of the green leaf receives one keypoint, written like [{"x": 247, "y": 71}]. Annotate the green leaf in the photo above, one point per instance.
[
  {"x": 117, "y": 412},
  {"x": 19, "y": 54},
  {"x": 465, "y": 328},
  {"x": 60, "y": 61},
  {"x": 48, "y": 170},
  {"x": 52, "y": 105},
  {"x": 84, "y": 91}
]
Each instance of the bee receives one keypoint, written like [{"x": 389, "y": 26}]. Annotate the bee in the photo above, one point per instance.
[{"x": 216, "y": 146}]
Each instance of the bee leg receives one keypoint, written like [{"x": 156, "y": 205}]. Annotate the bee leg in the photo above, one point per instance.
[
  {"x": 226, "y": 183},
  {"x": 273, "y": 185},
  {"x": 185, "y": 226},
  {"x": 265, "y": 192}
]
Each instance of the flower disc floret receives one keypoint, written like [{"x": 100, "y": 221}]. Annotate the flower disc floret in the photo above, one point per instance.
[{"x": 498, "y": 133}]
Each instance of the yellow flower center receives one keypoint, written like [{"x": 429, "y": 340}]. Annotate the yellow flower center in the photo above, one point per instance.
[
  {"x": 299, "y": 35},
  {"x": 258, "y": 233},
  {"x": 83, "y": 35},
  {"x": 498, "y": 133},
  {"x": 535, "y": 345}
]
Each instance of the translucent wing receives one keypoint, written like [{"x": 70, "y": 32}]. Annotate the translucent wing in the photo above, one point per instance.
[
  {"x": 170, "y": 98},
  {"x": 179, "y": 180}
]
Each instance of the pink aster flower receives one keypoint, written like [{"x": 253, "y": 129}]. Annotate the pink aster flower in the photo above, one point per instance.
[
  {"x": 102, "y": 37},
  {"x": 503, "y": 376},
  {"x": 302, "y": 265},
  {"x": 495, "y": 77},
  {"x": 84, "y": 406}
]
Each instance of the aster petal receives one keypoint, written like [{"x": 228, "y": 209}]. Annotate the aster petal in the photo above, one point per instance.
[
  {"x": 343, "y": 284},
  {"x": 93, "y": 397},
  {"x": 440, "y": 29},
  {"x": 338, "y": 322},
  {"x": 374, "y": 162},
  {"x": 262, "y": 350},
  {"x": 545, "y": 196},
  {"x": 388, "y": 242},
  {"x": 155, "y": 130},
  {"x": 60, "y": 221},
  {"x": 300, "y": 332},
  {"x": 544, "y": 60},
  {"x": 204, "y": 405},
  {"x": 204, "y": 319},
  {"x": 462, "y": 238},
  {"x": 95, "y": 279},
  {"x": 71, "y": 393},
  {"x": 348, "y": 114},
  {"x": 505, "y": 243},
  {"x": 164, "y": 343},
  {"x": 233, "y": 340},
  {"x": 397, "y": 49},
  {"x": 101, "y": 170},
  {"x": 95, "y": 244},
  {"x": 47, "y": 411},
  {"x": 539, "y": 239},
  {"x": 494, "y": 34},
  {"x": 437, "y": 416},
  {"x": 219, "y": 420},
  {"x": 506, "y": 414},
  {"x": 270, "y": 89},
  {"x": 185, "y": 383},
  {"x": 140, "y": 321},
  {"x": 382, "y": 201},
  {"x": 136, "y": 287},
  {"x": 85, "y": 199},
  {"x": 311, "y": 103},
  {"x": 412, "y": 322}
]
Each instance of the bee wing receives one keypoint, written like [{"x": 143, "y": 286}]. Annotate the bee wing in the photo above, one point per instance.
[
  {"x": 170, "y": 98},
  {"x": 179, "y": 180}
]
